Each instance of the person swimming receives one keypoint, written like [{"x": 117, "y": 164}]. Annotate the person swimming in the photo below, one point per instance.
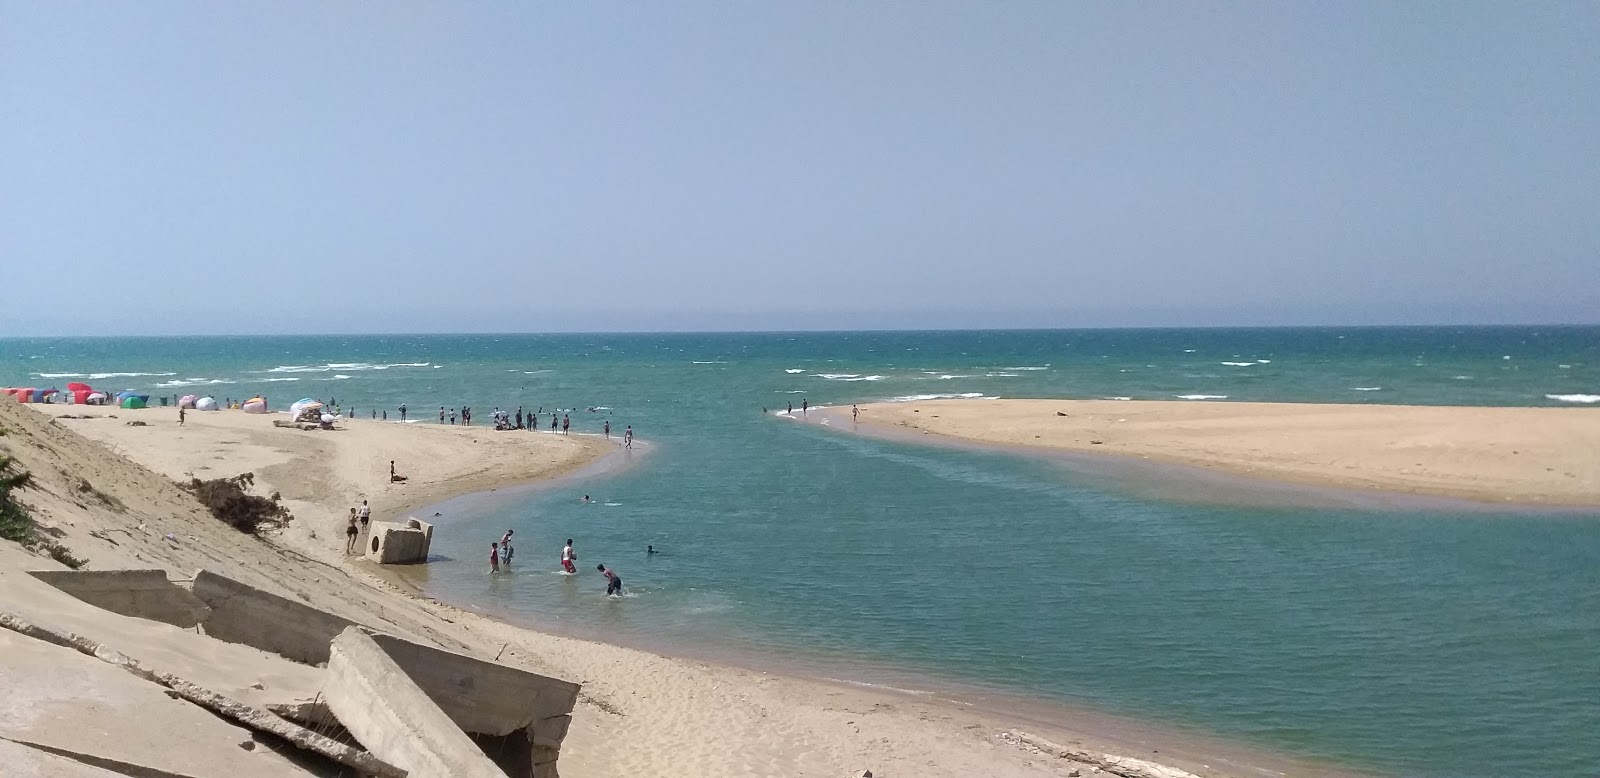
[{"x": 650, "y": 551}]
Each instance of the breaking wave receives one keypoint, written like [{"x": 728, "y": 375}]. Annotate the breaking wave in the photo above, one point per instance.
[
  {"x": 1201, "y": 396},
  {"x": 333, "y": 366},
  {"x": 917, "y": 397},
  {"x": 1587, "y": 399}
]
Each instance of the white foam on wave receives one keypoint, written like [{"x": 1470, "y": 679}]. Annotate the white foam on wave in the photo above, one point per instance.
[
  {"x": 340, "y": 366},
  {"x": 1264, "y": 361},
  {"x": 1116, "y": 398},
  {"x": 276, "y": 380},
  {"x": 1046, "y": 367},
  {"x": 1587, "y": 399},
  {"x": 1201, "y": 396},
  {"x": 919, "y": 397},
  {"x": 1563, "y": 367},
  {"x": 713, "y": 362},
  {"x": 1462, "y": 377},
  {"x": 849, "y": 377},
  {"x": 194, "y": 382},
  {"x": 948, "y": 376},
  {"x": 1001, "y": 375},
  {"x": 1365, "y": 388},
  {"x": 1240, "y": 364},
  {"x": 339, "y": 377},
  {"x": 98, "y": 376},
  {"x": 794, "y": 370}
]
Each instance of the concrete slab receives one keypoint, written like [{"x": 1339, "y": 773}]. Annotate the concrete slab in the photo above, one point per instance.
[
  {"x": 145, "y": 594},
  {"x": 244, "y": 614},
  {"x": 228, "y": 668},
  {"x": 393, "y": 717},
  {"x": 59, "y": 698},
  {"x": 23, "y": 762},
  {"x": 478, "y": 695}
]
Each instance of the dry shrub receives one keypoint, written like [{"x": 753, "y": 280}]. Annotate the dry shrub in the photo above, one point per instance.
[{"x": 229, "y": 499}]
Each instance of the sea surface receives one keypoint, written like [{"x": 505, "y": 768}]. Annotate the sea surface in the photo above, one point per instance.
[{"x": 1411, "y": 639}]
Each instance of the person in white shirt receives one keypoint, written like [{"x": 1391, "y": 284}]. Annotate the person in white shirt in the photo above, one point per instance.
[
  {"x": 567, "y": 558},
  {"x": 364, "y": 513}
]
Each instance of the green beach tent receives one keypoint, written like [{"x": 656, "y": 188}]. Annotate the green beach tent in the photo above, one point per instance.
[{"x": 133, "y": 402}]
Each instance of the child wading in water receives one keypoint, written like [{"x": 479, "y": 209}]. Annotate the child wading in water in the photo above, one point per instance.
[
  {"x": 494, "y": 557},
  {"x": 567, "y": 557},
  {"x": 613, "y": 581}
]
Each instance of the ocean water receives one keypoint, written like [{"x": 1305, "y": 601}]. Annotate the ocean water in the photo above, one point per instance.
[{"x": 1436, "y": 640}]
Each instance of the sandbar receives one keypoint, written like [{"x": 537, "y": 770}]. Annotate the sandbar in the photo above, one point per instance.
[{"x": 1498, "y": 455}]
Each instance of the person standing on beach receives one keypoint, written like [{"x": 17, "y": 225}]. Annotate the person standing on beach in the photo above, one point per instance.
[
  {"x": 519, "y": 417},
  {"x": 855, "y": 413},
  {"x": 627, "y": 437},
  {"x": 791, "y": 409},
  {"x": 494, "y": 557},
  {"x": 566, "y": 424},
  {"x": 441, "y": 414},
  {"x": 452, "y": 417},
  {"x": 553, "y": 421},
  {"x": 613, "y": 581},
  {"x": 180, "y": 416},
  {"x": 350, "y": 533},
  {"x": 402, "y": 413},
  {"x": 805, "y": 405},
  {"x": 364, "y": 513},
  {"x": 608, "y": 429},
  {"x": 568, "y": 556}
]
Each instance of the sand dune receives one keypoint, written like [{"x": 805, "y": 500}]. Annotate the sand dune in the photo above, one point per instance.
[{"x": 1533, "y": 456}]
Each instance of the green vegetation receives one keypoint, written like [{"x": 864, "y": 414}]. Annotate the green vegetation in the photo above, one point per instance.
[{"x": 15, "y": 523}]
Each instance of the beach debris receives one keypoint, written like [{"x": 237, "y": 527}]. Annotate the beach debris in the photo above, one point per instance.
[
  {"x": 1061, "y": 413},
  {"x": 1122, "y": 766},
  {"x": 137, "y": 423},
  {"x": 863, "y": 774}
]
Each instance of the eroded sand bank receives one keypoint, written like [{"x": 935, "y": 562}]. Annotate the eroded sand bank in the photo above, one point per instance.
[{"x": 1526, "y": 456}]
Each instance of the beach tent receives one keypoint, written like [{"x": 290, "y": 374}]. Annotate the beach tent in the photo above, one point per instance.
[
  {"x": 206, "y": 404},
  {"x": 187, "y": 401},
  {"x": 135, "y": 401},
  {"x": 95, "y": 398},
  {"x": 255, "y": 405},
  {"x": 43, "y": 395},
  {"x": 301, "y": 407},
  {"x": 23, "y": 395},
  {"x": 11, "y": 390}
]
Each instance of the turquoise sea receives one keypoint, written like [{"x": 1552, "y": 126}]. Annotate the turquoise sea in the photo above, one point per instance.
[{"x": 1404, "y": 637}]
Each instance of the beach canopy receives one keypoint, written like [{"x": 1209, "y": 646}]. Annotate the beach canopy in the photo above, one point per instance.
[
  {"x": 301, "y": 407},
  {"x": 12, "y": 390},
  {"x": 23, "y": 395},
  {"x": 130, "y": 393},
  {"x": 135, "y": 401},
  {"x": 255, "y": 405},
  {"x": 187, "y": 401},
  {"x": 96, "y": 398},
  {"x": 206, "y": 404},
  {"x": 81, "y": 396},
  {"x": 78, "y": 386}
]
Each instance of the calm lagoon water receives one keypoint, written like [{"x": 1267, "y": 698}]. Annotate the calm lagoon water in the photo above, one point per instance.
[{"x": 1441, "y": 641}]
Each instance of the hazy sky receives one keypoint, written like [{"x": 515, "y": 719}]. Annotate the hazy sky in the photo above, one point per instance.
[{"x": 364, "y": 167}]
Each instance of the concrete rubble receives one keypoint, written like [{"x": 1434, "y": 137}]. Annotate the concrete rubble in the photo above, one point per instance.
[{"x": 383, "y": 706}]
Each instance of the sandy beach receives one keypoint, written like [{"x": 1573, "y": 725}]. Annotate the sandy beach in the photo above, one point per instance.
[
  {"x": 639, "y": 713},
  {"x": 1521, "y": 456}
]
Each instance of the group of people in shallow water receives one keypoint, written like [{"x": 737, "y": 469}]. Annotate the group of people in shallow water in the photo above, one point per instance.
[{"x": 501, "y": 553}]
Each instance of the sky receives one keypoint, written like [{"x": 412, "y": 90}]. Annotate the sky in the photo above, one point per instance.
[{"x": 333, "y": 167}]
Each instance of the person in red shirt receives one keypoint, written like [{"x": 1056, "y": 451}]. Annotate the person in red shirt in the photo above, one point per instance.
[{"x": 494, "y": 557}]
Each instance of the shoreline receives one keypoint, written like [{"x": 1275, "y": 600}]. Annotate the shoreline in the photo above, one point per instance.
[
  {"x": 1318, "y": 455},
  {"x": 1189, "y": 744},
  {"x": 808, "y": 724}
]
